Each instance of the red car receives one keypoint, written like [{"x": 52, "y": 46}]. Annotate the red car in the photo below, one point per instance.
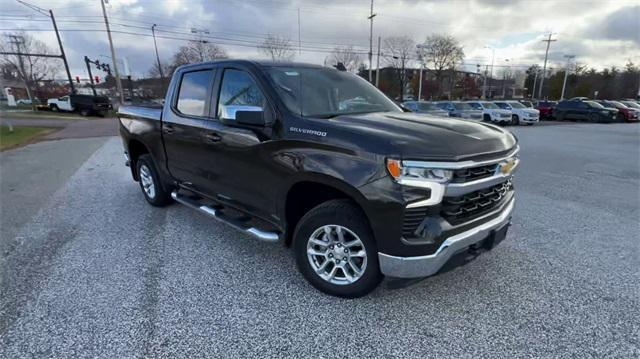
[
  {"x": 546, "y": 109},
  {"x": 625, "y": 113}
]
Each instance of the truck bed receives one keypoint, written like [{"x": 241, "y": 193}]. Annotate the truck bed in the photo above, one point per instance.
[{"x": 141, "y": 112}]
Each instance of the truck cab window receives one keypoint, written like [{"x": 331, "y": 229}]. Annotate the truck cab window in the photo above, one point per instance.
[
  {"x": 192, "y": 97},
  {"x": 238, "y": 92}
]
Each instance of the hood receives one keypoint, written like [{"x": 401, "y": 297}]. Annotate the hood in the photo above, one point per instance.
[
  {"x": 427, "y": 137},
  {"x": 532, "y": 111}
]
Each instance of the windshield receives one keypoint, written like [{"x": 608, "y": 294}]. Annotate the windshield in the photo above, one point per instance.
[
  {"x": 593, "y": 104},
  {"x": 617, "y": 104},
  {"x": 517, "y": 105},
  {"x": 425, "y": 106},
  {"x": 490, "y": 105},
  {"x": 475, "y": 105},
  {"x": 631, "y": 104},
  {"x": 503, "y": 105},
  {"x": 462, "y": 106},
  {"x": 325, "y": 92}
]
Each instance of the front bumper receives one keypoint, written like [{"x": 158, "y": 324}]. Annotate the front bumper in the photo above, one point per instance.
[{"x": 423, "y": 266}]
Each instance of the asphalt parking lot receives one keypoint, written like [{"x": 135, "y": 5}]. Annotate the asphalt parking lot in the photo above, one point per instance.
[{"x": 96, "y": 272}]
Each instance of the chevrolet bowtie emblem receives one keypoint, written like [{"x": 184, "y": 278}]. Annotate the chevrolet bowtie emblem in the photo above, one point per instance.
[{"x": 507, "y": 166}]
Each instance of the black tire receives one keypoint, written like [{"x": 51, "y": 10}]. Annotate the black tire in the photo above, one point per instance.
[
  {"x": 53, "y": 108},
  {"x": 594, "y": 118},
  {"x": 486, "y": 118},
  {"x": 515, "y": 121},
  {"x": 559, "y": 117},
  {"x": 345, "y": 214},
  {"x": 84, "y": 112},
  {"x": 159, "y": 196}
]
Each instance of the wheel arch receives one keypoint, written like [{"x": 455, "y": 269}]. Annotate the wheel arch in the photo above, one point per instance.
[
  {"x": 312, "y": 190},
  {"x": 136, "y": 148}
]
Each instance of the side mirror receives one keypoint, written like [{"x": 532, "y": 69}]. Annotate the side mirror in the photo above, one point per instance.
[{"x": 244, "y": 115}]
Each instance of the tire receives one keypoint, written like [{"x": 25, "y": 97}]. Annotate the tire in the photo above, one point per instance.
[
  {"x": 594, "y": 118},
  {"x": 53, "y": 108},
  {"x": 337, "y": 216},
  {"x": 84, "y": 112},
  {"x": 514, "y": 120},
  {"x": 150, "y": 183},
  {"x": 486, "y": 118}
]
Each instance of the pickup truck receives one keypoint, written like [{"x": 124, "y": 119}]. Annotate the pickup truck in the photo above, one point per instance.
[
  {"x": 85, "y": 105},
  {"x": 323, "y": 162}
]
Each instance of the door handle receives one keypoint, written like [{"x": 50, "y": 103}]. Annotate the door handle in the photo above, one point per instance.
[
  {"x": 167, "y": 129},
  {"x": 213, "y": 137}
]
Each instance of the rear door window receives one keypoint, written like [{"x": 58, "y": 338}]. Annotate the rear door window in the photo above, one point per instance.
[{"x": 192, "y": 97}]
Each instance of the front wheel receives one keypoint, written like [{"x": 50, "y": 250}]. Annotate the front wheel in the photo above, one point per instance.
[
  {"x": 84, "y": 112},
  {"x": 335, "y": 250},
  {"x": 514, "y": 120}
]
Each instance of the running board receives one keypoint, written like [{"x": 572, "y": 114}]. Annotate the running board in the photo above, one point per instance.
[{"x": 212, "y": 212}]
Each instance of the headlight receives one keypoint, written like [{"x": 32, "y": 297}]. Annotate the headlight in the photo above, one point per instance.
[{"x": 406, "y": 173}]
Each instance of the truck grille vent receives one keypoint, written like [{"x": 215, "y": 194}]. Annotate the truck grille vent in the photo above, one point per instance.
[
  {"x": 474, "y": 173},
  {"x": 412, "y": 219},
  {"x": 471, "y": 205}
]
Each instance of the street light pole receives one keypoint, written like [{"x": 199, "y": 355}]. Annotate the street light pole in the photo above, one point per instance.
[
  {"x": 493, "y": 57},
  {"x": 421, "y": 59},
  {"x": 566, "y": 74}
]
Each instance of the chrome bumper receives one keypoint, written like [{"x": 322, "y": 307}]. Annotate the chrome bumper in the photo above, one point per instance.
[{"x": 423, "y": 266}]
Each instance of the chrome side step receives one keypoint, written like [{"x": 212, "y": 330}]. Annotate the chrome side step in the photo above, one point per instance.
[{"x": 215, "y": 213}]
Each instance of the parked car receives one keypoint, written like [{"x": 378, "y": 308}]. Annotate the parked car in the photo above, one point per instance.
[
  {"x": 425, "y": 107},
  {"x": 519, "y": 113},
  {"x": 546, "y": 109},
  {"x": 624, "y": 112},
  {"x": 24, "y": 101},
  {"x": 632, "y": 105},
  {"x": 584, "y": 110},
  {"x": 85, "y": 105},
  {"x": 358, "y": 193},
  {"x": 526, "y": 103},
  {"x": 491, "y": 112},
  {"x": 460, "y": 109}
]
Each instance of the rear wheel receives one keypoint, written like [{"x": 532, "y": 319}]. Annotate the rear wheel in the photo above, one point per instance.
[
  {"x": 150, "y": 184},
  {"x": 335, "y": 250},
  {"x": 84, "y": 112},
  {"x": 53, "y": 108},
  {"x": 486, "y": 118},
  {"x": 593, "y": 117}
]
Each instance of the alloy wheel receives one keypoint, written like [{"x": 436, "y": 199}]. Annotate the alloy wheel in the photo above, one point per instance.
[{"x": 336, "y": 254}]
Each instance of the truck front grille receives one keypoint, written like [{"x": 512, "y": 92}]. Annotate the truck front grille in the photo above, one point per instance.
[
  {"x": 464, "y": 208},
  {"x": 474, "y": 173}
]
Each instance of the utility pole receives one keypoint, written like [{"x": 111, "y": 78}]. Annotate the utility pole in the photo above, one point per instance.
[
  {"x": 55, "y": 27},
  {"x": 155, "y": 44},
  {"x": 484, "y": 85},
  {"x": 299, "y": 38},
  {"x": 535, "y": 79},
  {"x": 93, "y": 88},
  {"x": 421, "y": 59},
  {"x": 566, "y": 74},
  {"x": 493, "y": 57},
  {"x": 378, "y": 66},
  {"x": 371, "y": 16},
  {"x": 113, "y": 53},
  {"x": 544, "y": 67}
]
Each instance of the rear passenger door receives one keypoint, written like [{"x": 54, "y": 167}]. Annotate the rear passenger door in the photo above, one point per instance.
[{"x": 182, "y": 124}]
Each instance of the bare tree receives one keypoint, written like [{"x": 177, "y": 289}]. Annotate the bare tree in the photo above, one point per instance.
[
  {"x": 443, "y": 52},
  {"x": 29, "y": 69},
  {"x": 197, "y": 51},
  {"x": 277, "y": 48},
  {"x": 347, "y": 56},
  {"x": 398, "y": 51},
  {"x": 154, "y": 71}
]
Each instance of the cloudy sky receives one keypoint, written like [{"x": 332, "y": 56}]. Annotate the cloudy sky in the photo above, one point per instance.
[{"x": 599, "y": 33}]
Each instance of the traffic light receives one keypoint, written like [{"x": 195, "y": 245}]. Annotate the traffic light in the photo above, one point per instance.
[
  {"x": 78, "y": 79},
  {"x": 97, "y": 78}
]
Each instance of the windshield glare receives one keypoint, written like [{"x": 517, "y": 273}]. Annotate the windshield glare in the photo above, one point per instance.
[
  {"x": 425, "y": 106},
  {"x": 462, "y": 106},
  {"x": 475, "y": 105},
  {"x": 594, "y": 104},
  {"x": 325, "y": 92},
  {"x": 517, "y": 105},
  {"x": 490, "y": 105}
]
